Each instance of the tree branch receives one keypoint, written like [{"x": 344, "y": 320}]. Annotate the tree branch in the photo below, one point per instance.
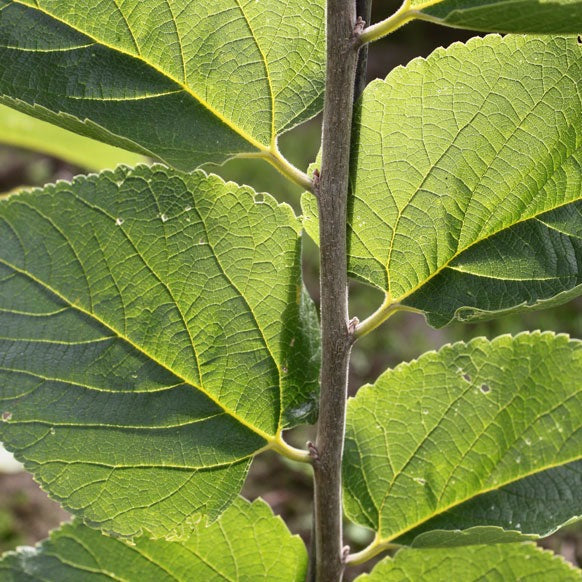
[
  {"x": 342, "y": 59},
  {"x": 363, "y": 11}
]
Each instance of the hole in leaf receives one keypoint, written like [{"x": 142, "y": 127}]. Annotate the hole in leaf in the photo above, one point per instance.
[
  {"x": 580, "y": 39},
  {"x": 466, "y": 377},
  {"x": 485, "y": 388}
]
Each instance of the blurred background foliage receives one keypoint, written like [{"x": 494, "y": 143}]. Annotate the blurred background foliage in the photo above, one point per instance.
[{"x": 26, "y": 514}]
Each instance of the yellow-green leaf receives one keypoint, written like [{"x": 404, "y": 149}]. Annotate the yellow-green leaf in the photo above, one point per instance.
[
  {"x": 154, "y": 337},
  {"x": 186, "y": 81},
  {"x": 467, "y": 180},
  {"x": 477, "y": 434},
  {"x": 246, "y": 544}
]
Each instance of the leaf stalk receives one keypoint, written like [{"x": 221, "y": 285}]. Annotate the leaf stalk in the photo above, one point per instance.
[
  {"x": 285, "y": 449},
  {"x": 385, "y": 311},
  {"x": 274, "y": 157},
  {"x": 377, "y": 31},
  {"x": 371, "y": 551}
]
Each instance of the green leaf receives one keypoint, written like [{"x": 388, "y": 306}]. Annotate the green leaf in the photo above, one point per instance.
[
  {"x": 452, "y": 440},
  {"x": 246, "y": 543},
  {"x": 19, "y": 130},
  {"x": 516, "y": 507},
  {"x": 186, "y": 81},
  {"x": 154, "y": 337},
  {"x": 523, "y": 562},
  {"x": 532, "y": 265},
  {"x": 532, "y": 16},
  {"x": 467, "y": 180},
  {"x": 471, "y": 536}
]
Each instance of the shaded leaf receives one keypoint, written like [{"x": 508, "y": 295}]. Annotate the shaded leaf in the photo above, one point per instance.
[
  {"x": 246, "y": 543},
  {"x": 467, "y": 180},
  {"x": 476, "y": 535},
  {"x": 522, "y": 562},
  {"x": 532, "y": 16},
  {"x": 155, "y": 336},
  {"x": 540, "y": 503},
  {"x": 20, "y": 130},
  {"x": 451, "y": 440},
  {"x": 185, "y": 81}
]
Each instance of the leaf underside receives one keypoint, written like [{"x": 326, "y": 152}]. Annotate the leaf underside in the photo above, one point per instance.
[
  {"x": 531, "y": 16},
  {"x": 540, "y": 503},
  {"x": 154, "y": 337},
  {"x": 467, "y": 179},
  {"x": 522, "y": 562},
  {"x": 246, "y": 543},
  {"x": 188, "y": 82},
  {"x": 478, "y": 434}
]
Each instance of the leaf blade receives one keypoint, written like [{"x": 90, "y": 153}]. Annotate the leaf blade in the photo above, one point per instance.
[
  {"x": 468, "y": 432},
  {"x": 508, "y": 16},
  {"x": 473, "y": 563},
  {"x": 490, "y": 141},
  {"x": 248, "y": 542},
  {"x": 120, "y": 73},
  {"x": 136, "y": 290},
  {"x": 494, "y": 510}
]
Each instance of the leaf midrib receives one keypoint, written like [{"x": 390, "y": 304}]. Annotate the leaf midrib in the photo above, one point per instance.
[
  {"x": 251, "y": 140},
  {"x": 481, "y": 491},
  {"x": 269, "y": 438},
  {"x": 446, "y": 265},
  {"x": 267, "y": 73}
]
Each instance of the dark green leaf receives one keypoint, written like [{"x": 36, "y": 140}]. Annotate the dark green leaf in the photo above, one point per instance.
[
  {"x": 540, "y": 503},
  {"x": 468, "y": 436},
  {"x": 154, "y": 337},
  {"x": 186, "y": 81},
  {"x": 247, "y": 543},
  {"x": 533, "y": 16}
]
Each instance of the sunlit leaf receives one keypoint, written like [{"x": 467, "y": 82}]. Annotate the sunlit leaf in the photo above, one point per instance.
[
  {"x": 467, "y": 180},
  {"x": 478, "y": 434},
  {"x": 154, "y": 337},
  {"x": 186, "y": 81},
  {"x": 246, "y": 543}
]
